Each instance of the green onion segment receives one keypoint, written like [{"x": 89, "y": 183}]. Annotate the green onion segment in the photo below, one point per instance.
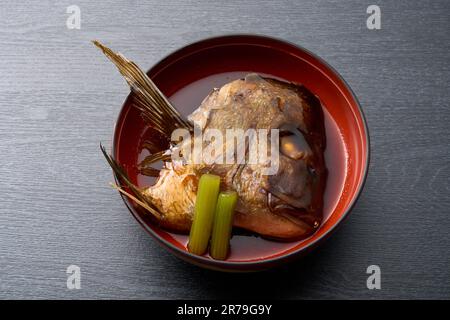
[
  {"x": 223, "y": 222},
  {"x": 205, "y": 206}
]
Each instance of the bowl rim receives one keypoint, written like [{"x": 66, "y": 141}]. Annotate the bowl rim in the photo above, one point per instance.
[{"x": 224, "y": 265}]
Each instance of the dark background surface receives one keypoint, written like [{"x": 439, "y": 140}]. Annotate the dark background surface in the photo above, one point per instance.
[{"x": 59, "y": 97}]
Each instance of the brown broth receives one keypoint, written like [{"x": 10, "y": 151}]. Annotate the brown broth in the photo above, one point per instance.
[{"x": 245, "y": 247}]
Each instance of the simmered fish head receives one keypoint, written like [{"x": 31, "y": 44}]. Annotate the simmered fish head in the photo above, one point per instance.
[{"x": 284, "y": 204}]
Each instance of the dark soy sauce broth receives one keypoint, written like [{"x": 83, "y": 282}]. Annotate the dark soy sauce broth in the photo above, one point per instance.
[{"x": 245, "y": 247}]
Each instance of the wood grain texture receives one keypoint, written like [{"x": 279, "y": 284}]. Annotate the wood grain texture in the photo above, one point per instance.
[{"x": 59, "y": 97}]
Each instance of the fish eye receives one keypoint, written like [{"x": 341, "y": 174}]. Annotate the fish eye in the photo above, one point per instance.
[{"x": 292, "y": 143}]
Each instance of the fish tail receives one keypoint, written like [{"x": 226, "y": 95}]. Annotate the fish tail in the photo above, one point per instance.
[{"x": 154, "y": 106}]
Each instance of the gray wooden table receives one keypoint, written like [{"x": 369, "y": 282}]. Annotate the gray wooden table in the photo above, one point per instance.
[{"x": 59, "y": 97}]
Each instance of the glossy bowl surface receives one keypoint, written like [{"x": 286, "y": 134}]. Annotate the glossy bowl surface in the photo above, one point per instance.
[{"x": 187, "y": 76}]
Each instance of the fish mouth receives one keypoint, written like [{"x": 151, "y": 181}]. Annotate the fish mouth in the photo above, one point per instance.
[{"x": 291, "y": 209}]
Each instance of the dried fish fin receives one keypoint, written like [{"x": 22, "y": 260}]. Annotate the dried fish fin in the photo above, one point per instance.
[
  {"x": 138, "y": 196},
  {"x": 154, "y": 106}
]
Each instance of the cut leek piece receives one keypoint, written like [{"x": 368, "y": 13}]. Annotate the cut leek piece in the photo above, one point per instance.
[
  {"x": 205, "y": 206},
  {"x": 223, "y": 222}
]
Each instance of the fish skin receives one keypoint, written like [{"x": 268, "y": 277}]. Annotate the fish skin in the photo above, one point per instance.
[{"x": 254, "y": 102}]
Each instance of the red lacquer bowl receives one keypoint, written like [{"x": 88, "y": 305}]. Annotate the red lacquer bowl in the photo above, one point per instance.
[{"x": 187, "y": 76}]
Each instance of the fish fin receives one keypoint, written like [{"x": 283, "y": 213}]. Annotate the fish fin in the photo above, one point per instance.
[
  {"x": 154, "y": 106},
  {"x": 138, "y": 197},
  {"x": 154, "y": 157},
  {"x": 129, "y": 195},
  {"x": 149, "y": 171}
]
